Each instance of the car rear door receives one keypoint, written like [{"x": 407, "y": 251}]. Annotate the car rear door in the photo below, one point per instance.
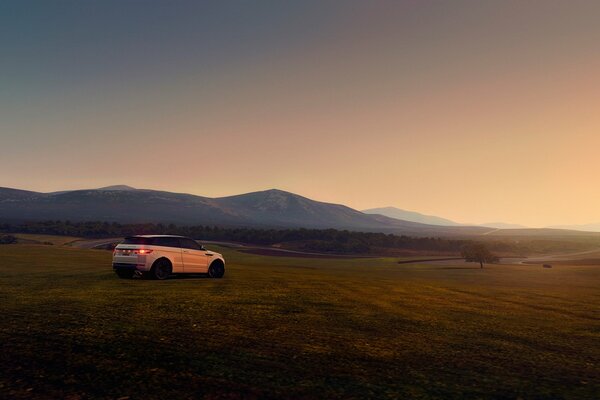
[
  {"x": 171, "y": 248},
  {"x": 195, "y": 259}
]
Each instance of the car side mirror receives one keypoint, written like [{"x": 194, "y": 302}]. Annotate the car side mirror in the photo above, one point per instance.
[{"x": 202, "y": 247}]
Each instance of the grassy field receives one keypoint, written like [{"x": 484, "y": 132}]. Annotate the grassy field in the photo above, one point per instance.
[
  {"x": 279, "y": 327},
  {"x": 41, "y": 239}
]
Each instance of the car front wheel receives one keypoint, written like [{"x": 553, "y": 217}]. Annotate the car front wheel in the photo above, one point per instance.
[{"x": 216, "y": 270}]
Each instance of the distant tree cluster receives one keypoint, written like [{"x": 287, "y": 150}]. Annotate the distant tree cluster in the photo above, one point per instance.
[
  {"x": 321, "y": 240},
  {"x": 7, "y": 239},
  {"x": 317, "y": 240}
]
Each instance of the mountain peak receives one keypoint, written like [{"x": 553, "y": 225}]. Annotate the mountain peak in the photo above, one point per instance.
[
  {"x": 117, "y": 187},
  {"x": 277, "y": 191}
]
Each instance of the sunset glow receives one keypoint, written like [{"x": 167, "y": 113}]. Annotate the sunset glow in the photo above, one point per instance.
[{"x": 474, "y": 111}]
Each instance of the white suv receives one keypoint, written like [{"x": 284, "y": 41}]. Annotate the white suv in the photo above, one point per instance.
[{"x": 158, "y": 256}]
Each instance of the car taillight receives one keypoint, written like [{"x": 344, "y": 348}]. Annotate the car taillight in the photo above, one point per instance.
[{"x": 142, "y": 251}]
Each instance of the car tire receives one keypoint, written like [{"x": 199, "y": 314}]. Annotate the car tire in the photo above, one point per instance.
[
  {"x": 216, "y": 270},
  {"x": 161, "y": 270},
  {"x": 125, "y": 274}
]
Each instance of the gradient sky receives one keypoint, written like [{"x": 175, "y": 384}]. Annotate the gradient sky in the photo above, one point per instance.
[{"x": 476, "y": 111}]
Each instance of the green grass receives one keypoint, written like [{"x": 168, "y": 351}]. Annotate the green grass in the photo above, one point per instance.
[{"x": 278, "y": 327}]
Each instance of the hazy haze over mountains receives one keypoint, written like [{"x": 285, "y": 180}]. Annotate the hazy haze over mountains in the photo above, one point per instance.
[
  {"x": 503, "y": 225},
  {"x": 394, "y": 212},
  {"x": 585, "y": 227}
]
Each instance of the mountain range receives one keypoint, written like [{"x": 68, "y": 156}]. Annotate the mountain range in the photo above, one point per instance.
[
  {"x": 263, "y": 209},
  {"x": 267, "y": 209}
]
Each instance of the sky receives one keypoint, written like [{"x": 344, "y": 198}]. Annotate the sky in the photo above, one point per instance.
[{"x": 477, "y": 111}]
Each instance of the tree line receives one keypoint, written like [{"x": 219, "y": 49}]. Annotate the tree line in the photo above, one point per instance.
[{"x": 322, "y": 240}]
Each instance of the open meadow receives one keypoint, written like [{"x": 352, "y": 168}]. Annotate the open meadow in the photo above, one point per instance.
[{"x": 291, "y": 327}]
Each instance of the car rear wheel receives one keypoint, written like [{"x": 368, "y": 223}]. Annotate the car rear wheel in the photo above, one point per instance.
[
  {"x": 216, "y": 270},
  {"x": 161, "y": 270}
]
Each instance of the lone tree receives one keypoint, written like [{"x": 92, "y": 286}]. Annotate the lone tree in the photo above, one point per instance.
[{"x": 478, "y": 252}]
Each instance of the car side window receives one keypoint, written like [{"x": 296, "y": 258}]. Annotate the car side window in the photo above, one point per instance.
[
  {"x": 167, "y": 242},
  {"x": 190, "y": 244}
]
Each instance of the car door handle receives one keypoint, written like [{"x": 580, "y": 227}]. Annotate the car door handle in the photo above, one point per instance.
[
  {"x": 185, "y": 251},
  {"x": 208, "y": 254}
]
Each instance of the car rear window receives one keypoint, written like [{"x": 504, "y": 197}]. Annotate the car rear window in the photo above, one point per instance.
[
  {"x": 138, "y": 240},
  {"x": 153, "y": 241},
  {"x": 167, "y": 241}
]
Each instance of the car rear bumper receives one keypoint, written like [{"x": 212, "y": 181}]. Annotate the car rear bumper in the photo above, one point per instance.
[
  {"x": 139, "y": 262},
  {"x": 124, "y": 267}
]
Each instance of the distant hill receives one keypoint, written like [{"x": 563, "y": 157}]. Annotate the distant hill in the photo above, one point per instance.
[
  {"x": 584, "y": 227},
  {"x": 413, "y": 216},
  {"x": 503, "y": 225},
  {"x": 270, "y": 208},
  {"x": 541, "y": 233},
  {"x": 13, "y": 195}
]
